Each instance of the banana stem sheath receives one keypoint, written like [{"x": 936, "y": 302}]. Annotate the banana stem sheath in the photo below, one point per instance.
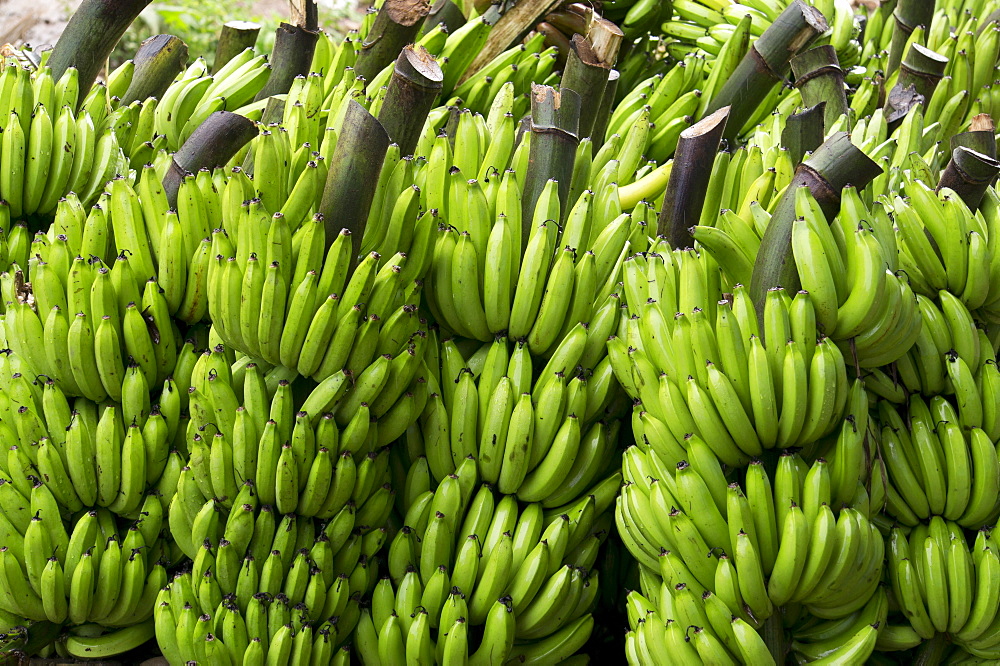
[
  {"x": 353, "y": 177},
  {"x": 922, "y": 69},
  {"x": 908, "y": 15},
  {"x": 212, "y": 144},
  {"x": 234, "y": 37},
  {"x": 416, "y": 82},
  {"x": 555, "y": 121},
  {"x": 395, "y": 26},
  {"x": 292, "y": 56},
  {"x": 689, "y": 178},
  {"x": 91, "y": 35},
  {"x": 587, "y": 75},
  {"x": 969, "y": 173},
  {"x": 158, "y": 60},
  {"x": 804, "y": 132},
  {"x": 820, "y": 79}
]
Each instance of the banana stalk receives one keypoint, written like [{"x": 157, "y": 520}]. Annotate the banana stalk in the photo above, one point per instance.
[
  {"x": 587, "y": 75},
  {"x": 803, "y": 132},
  {"x": 415, "y": 84},
  {"x": 835, "y": 164},
  {"x": 767, "y": 63},
  {"x": 234, "y": 38},
  {"x": 90, "y": 36},
  {"x": 158, "y": 60},
  {"x": 604, "y": 109},
  {"x": 819, "y": 78},
  {"x": 395, "y": 26},
  {"x": 212, "y": 144},
  {"x": 443, "y": 12},
  {"x": 555, "y": 121},
  {"x": 689, "y": 178},
  {"x": 292, "y": 56},
  {"x": 353, "y": 177},
  {"x": 980, "y": 137},
  {"x": 908, "y": 15},
  {"x": 969, "y": 173},
  {"x": 922, "y": 69}
]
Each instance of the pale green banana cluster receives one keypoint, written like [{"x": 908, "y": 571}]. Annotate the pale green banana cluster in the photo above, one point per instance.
[
  {"x": 943, "y": 584},
  {"x": 194, "y": 94},
  {"x": 51, "y": 147},
  {"x": 546, "y": 440},
  {"x": 77, "y": 321},
  {"x": 265, "y": 588},
  {"x": 711, "y": 25},
  {"x": 467, "y": 557}
]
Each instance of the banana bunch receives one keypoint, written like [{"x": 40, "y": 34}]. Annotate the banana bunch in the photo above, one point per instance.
[
  {"x": 943, "y": 585},
  {"x": 297, "y": 459},
  {"x": 545, "y": 440},
  {"x": 268, "y": 589},
  {"x": 94, "y": 572},
  {"x": 939, "y": 463},
  {"x": 767, "y": 544},
  {"x": 50, "y": 147},
  {"x": 690, "y": 630},
  {"x": 652, "y": 115},
  {"x": 709, "y": 25},
  {"x": 869, "y": 310},
  {"x": 521, "y": 66},
  {"x": 315, "y": 318},
  {"x": 86, "y": 325},
  {"x": 950, "y": 351},
  {"x": 944, "y": 246},
  {"x": 704, "y": 370},
  {"x": 87, "y": 457},
  {"x": 467, "y": 557},
  {"x": 713, "y": 636},
  {"x": 480, "y": 285},
  {"x": 192, "y": 97}
]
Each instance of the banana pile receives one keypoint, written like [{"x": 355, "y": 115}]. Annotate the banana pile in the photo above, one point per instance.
[
  {"x": 53, "y": 141},
  {"x": 257, "y": 439},
  {"x": 467, "y": 558}
]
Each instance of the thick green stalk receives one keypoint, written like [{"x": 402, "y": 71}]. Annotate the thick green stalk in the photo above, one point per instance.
[
  {"x": 766, "y": 64},
  {"x": 158, "y": 60},
  {"x": 969, "y": 173},
  {"x": 415, "y": 84},
  {"x": 395, "y": 26},
  {"x": 689, "y": 178},
  {"x": 587, "y": 75},
  {"x": 981, "y": 136},
  {"x": 90, "y": 36},
  {"x": 819, "y": 78},
  {"x": 908, "y": 15},
  {"x": 212, "y": 144},
  {"x": 555, "y": 119},
  {"x": 234, "y": 38},
  {"x": 803, "y": 132},
  {"x": 353, "y": 176},
  {"x": 921, "y": 69},
  {"x": 292, "y": 56}
]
